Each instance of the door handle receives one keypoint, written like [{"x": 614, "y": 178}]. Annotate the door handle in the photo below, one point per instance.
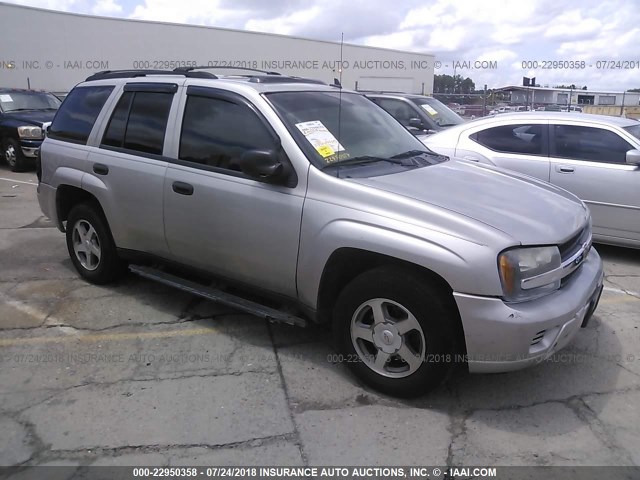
[
  {"x": 182, "y": 188},
  {"x": 472, "y": 159},
  {"x": 100, "y": 169},
  {"x": 564, "y": 169}
]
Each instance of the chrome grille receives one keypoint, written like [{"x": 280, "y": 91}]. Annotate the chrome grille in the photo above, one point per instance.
[{"x": 571, "y": 246}]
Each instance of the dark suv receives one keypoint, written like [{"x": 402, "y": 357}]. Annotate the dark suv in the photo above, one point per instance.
[
  {"x": 420, "y": 114},
  {"x": 23, "y": 116}
]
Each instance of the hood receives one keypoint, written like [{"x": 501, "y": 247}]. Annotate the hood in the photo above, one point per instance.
[
  {"x": 33, "y": 117},
  {"x": 530, "y": 211}
]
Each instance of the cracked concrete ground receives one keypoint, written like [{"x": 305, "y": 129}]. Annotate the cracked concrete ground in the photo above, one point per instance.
[{"x": 139, "y": 374}]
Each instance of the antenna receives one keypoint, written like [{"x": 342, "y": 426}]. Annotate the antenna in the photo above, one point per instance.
[{"x": 339, "y": 85}]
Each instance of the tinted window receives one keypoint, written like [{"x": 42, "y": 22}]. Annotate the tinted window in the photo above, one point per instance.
[
  {"x": 400, "y": 110},
  {"x": 78, "y": 113},
  {"x": 217, "y": 132},
  {"x": 114, "y": 136},
  {"x": 147, "y": 122},
  {"x": 587, "y": 143},
  {"x": 520, "y": 138}
]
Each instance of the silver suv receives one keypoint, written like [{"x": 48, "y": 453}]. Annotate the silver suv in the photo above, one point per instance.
[{"x": 301, "y": 195}]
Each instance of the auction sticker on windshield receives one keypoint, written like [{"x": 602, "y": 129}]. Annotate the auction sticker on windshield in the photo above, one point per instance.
[
  {"x": 430, "y": 110},
  {"x": 6, "y": 98},
  {"x": 320, "y": 137}
]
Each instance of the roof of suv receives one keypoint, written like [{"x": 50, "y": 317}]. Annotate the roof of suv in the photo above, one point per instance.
[
  {"x": 20, "y": 90},
  {"x": 261, "y": 82},
  {"x": 586, "y": 117},
  {"x": 393, "y": 94}
]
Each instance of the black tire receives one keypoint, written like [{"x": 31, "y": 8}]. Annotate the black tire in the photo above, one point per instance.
[
  {"x": 12, "y": 154},
  {"x": 433, "y": 346},
  {"x": 99, "y": 269}
]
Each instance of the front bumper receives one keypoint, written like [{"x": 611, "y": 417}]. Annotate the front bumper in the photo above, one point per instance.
[
  {"x": 30, "y": 148},
  {"x": 502, "y": 337}
]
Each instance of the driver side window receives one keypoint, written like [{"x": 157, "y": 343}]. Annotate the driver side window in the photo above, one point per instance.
[{"x": 216, "y": 132}]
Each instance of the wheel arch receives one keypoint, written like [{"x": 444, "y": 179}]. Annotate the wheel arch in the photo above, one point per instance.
[
  {"x": 345, "y": 264},
  {"x": 68, "y": 196}
]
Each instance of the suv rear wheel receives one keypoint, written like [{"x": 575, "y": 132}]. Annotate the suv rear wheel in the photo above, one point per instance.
[
  {"x": 12, "y": 154},
  {"x": 91, "y": 246},
  {"x": 393, "y": 329}
]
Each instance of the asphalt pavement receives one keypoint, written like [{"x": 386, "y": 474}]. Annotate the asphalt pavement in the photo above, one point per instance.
[{"x": 140, "y": 374}]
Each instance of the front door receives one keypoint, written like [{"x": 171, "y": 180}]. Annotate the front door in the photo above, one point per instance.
[
  {"x": 219, "y": 219},
  {"x": 590, "y": 163}
]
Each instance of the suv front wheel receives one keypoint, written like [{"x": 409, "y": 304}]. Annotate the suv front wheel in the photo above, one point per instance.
[
  {"x": 91, "y": 246},
  {"x": 393, "y": 330}
]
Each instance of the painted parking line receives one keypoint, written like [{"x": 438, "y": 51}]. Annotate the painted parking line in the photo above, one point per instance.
[
  {"x": 107, "y": 337},
  {"x": 622, "y": 292},
  {"x": 18, "y": 181},
  {"x": 618, "y": 300}
]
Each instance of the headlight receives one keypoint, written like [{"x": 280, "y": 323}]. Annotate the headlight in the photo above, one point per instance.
[
  {"x": 30, "y": 132},
  {"x": 521, "y": 264}
]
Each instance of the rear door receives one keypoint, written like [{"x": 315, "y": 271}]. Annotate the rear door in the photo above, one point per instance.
[
  {"x": 216, "y": 217},
  {"x": 129, "y": 166},
  {"x": 590, "y": 162}
]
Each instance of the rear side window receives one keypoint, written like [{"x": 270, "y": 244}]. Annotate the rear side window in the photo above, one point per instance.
[
  {"x": 521, "y": 138},
  {"x": 78, "y": 113},
  {"x": 139, "y": 122},
  {"x": 216, "y": 132}
]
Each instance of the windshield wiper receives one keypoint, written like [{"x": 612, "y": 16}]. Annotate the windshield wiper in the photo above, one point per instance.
[{"x": 363, "y": 159}]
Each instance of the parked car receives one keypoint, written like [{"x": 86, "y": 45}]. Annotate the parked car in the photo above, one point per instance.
[
  {"x": 420, "y": 114},
  {"x": 23, "y": 114},
  {"x": 418, "y": 260},
  {"x": 594, "y": 156}
]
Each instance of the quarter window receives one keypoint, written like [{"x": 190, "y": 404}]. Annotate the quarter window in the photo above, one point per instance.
[
  {"x": 139, "y": 122},
  {"x": 521, "y": 138},
  {"x": 216, "y": 132},
  {"x": 589, "y": 143},
  {"x": 78, "y": 113}
]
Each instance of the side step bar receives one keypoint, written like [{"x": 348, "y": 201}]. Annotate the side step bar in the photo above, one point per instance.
[{"x": 218, "y": 296}]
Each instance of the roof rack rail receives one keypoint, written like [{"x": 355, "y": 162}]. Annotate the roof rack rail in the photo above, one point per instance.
[
  {"x": 384, "y": 91},
  {"x": 222, "y": 67},
  {"x": 283, "y": 79},
  {"x": 109, "y": 74}
]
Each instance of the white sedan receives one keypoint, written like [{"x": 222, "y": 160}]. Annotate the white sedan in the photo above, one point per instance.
[{"x": 594, "y": 156}]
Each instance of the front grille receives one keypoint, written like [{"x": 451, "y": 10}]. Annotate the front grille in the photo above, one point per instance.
[{"x": 571, "y": 246}]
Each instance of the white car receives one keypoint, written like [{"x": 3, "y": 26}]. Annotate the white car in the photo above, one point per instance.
[{"x": 596, "y": 157}]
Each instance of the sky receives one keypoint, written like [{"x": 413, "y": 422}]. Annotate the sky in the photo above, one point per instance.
[{"x": 599, "y": 36}]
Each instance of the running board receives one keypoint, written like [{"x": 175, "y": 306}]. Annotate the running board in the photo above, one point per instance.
[{"x": 217, "y": 296}]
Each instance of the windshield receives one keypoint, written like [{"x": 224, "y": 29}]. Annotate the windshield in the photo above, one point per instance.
[
  {"x": 634, "y": 130},
  {"x": 350, "y": 132},
  {"x": 438, "y": 111},
  {"x": 17, "y": 101}
]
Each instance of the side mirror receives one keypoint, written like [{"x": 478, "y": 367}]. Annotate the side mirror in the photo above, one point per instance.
[
  {"x": 416, "y": 123},
  {"x": 261, "y": 164},
  {"x": 633, "y": 157}
]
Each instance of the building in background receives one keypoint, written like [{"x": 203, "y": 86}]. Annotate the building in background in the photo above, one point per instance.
[
  {"x": 564, "y": 96},
  {"x": 49, "y": 50}
]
